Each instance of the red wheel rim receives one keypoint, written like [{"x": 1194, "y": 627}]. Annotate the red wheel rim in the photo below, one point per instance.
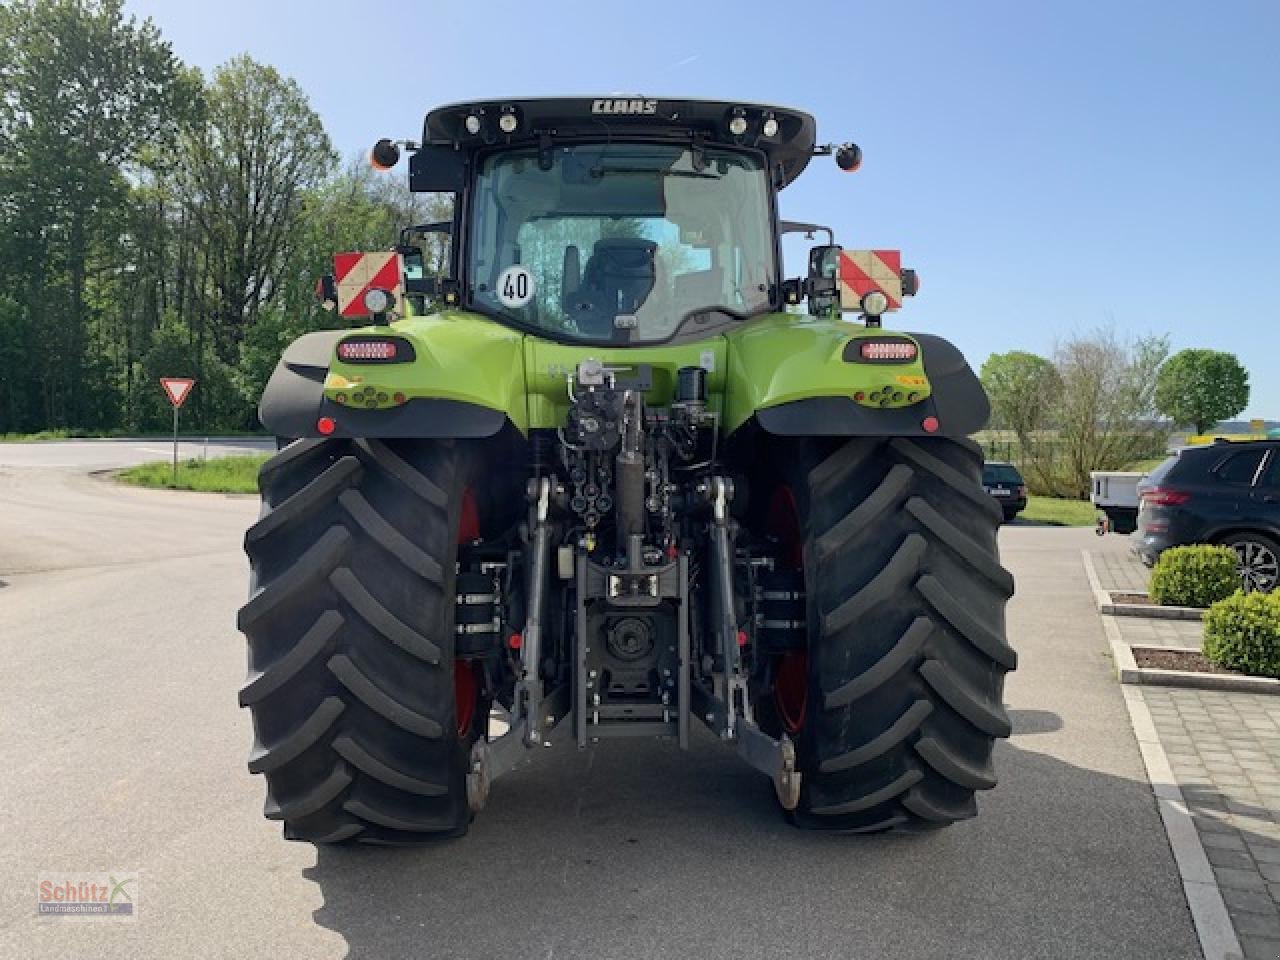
[
  {"x": 791, "y": 688},
  {"x": 465, "y": 693},
  {"x": 790, "y": 669},
  {"x": 468, "y": 518}
]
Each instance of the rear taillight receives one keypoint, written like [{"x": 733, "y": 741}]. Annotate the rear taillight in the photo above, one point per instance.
[
  {"x": 1164, "y": 497},
  {"x": 888, "y": 350},
  {"x": 373, "y": 349},
  {"x": 367, "y": 350}
]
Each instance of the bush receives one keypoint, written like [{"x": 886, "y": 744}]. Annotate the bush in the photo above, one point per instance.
[
  {"x": 1243, "y": 632},
  {"x": 1194, "y": 576}
]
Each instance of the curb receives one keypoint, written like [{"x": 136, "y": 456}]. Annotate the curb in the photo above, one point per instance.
[
  {"x": 1152, "y": 611},
  {"x": 1213, "y": 926},
  {"x": 1153, "y": 676}
]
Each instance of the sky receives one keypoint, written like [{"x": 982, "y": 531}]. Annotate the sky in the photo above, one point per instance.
[{"x": 1048, "y": 168}]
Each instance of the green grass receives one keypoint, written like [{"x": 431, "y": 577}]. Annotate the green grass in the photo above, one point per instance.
[
  {"x": 1059, "y": 513},
  {"x": 59, "y": 434},
  {"x": 217, "y": 475}
]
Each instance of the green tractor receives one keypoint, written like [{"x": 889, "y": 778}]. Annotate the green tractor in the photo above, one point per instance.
[{"x": 592, "y": 471}]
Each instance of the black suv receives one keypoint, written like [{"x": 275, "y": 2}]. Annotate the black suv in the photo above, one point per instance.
[
  {"x": 1226, "y": 493},
  {"x": 1005, "y": 485}
]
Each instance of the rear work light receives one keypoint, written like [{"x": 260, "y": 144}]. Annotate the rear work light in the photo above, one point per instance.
[
  {"x": 1164, "y": 497},
  {"x": 375, "y": 350},
  {"x": 886, "y": 350}
]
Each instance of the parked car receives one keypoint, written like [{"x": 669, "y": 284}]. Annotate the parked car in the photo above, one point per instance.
[
  {"x": 1226, "y": 493},
  {"x": 1005, "y": 485}
]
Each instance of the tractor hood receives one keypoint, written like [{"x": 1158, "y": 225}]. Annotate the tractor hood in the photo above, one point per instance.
[{"x": 786, "y": 136}]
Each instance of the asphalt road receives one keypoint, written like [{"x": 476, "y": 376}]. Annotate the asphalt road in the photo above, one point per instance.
[{"x": 124, "y": 750}]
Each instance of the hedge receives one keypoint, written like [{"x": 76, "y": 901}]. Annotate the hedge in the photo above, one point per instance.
[
  {"x": 1243, "y": 632},
  {"x": 1194, "y": 576}
]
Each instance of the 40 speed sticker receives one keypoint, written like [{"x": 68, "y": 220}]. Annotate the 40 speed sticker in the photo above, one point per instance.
[{"x": 515, "y": 286}]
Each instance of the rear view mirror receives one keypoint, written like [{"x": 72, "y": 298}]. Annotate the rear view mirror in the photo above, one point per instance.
[
  {"x": 823, "y": 284},
  {"x": 414, "y": 265},
  {"x": 437, "y": 168},
  {"x": 327, "y": 292}
]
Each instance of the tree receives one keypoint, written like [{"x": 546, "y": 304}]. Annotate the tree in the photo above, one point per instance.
[
  {"x": 1023, "y": 389},
  {"x": 89, "y": 98},
  {"x": 246, "y": 170},
  {"x": 1202, "y": 387},
  {"x": 1105, "y": 415}
]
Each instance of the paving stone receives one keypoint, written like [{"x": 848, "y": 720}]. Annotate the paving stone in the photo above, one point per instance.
[
  {"x": 1224, "y": 841},
  {"x": 1264, "y": 851},
  {"x": 1270, "y": 871},
  {"x": 1249, "y": 901},
  {"x": 1257, "y": 925},
  {"x": 1236, "y": 859},
  {"x": 1206, "y": 822},
  {"x": 1260, "y": 948},
  {"x": 1239, "y": 879}
]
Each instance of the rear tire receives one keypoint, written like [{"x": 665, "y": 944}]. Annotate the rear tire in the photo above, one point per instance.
[
  {"x": 351, "y": 641},
  {"x": 907, "y": 651}
]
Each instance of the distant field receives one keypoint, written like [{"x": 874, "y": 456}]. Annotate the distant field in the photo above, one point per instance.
[{"x": 219, "y": 475}]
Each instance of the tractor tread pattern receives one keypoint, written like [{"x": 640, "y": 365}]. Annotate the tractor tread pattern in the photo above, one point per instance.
[
  {"x": 349, "y": 626},
  {"x": 910, "y": 657},
  {"x": 380, "y": 618},
  {"x": 307, "y": 500},
  {"x": 316, "y": 639},
  {"x": 381, "y": 702},
  {"x": 363, "y": 760},
  {"x": 391, "y": 539},
  {"x": 312, "y": 800}
]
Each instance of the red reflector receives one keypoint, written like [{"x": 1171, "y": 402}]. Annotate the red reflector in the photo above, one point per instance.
[
  {"x": 859, "y": 396},
  {"x": 929, "y": 424},
  {"x": 326, "y": 425},
  {"x": 367, "y": 350},
  {"x": 1164, "y": 497},
  {"x": 742, "y": 638},
  {"x": 888, "y": 350},
  {"x": 399, "y": 398},
  {"x": 515, "y": 641}
]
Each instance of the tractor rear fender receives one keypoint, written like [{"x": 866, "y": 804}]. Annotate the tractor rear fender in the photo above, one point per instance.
[
  {"x": 465, "y": 378},
  {"x": 799, "y": 376}
]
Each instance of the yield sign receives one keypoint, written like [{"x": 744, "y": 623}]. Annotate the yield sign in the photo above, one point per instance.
[{"x": 177, "y": 388}]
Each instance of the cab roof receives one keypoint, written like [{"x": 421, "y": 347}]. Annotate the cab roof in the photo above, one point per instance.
[{"x": 628, "y": 117}]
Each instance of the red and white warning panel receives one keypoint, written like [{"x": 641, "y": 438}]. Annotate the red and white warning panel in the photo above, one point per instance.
[
  {"x": 862, "y": 271},
  {"x": 358, "y": 273},
  {"x": 177, "y": 389}
]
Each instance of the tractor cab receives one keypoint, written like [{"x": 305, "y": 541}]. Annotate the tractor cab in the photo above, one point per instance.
[{"x": 622, "y": 221}]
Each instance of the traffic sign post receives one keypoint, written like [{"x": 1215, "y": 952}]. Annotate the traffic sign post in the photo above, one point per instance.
[{"x": 177, "y": 389}]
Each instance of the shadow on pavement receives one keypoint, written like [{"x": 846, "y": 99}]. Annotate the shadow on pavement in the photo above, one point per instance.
[{"x": 637, "y": 850}]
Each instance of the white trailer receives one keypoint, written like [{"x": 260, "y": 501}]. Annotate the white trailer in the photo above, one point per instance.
[{"x": 1115, "y": 493}]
